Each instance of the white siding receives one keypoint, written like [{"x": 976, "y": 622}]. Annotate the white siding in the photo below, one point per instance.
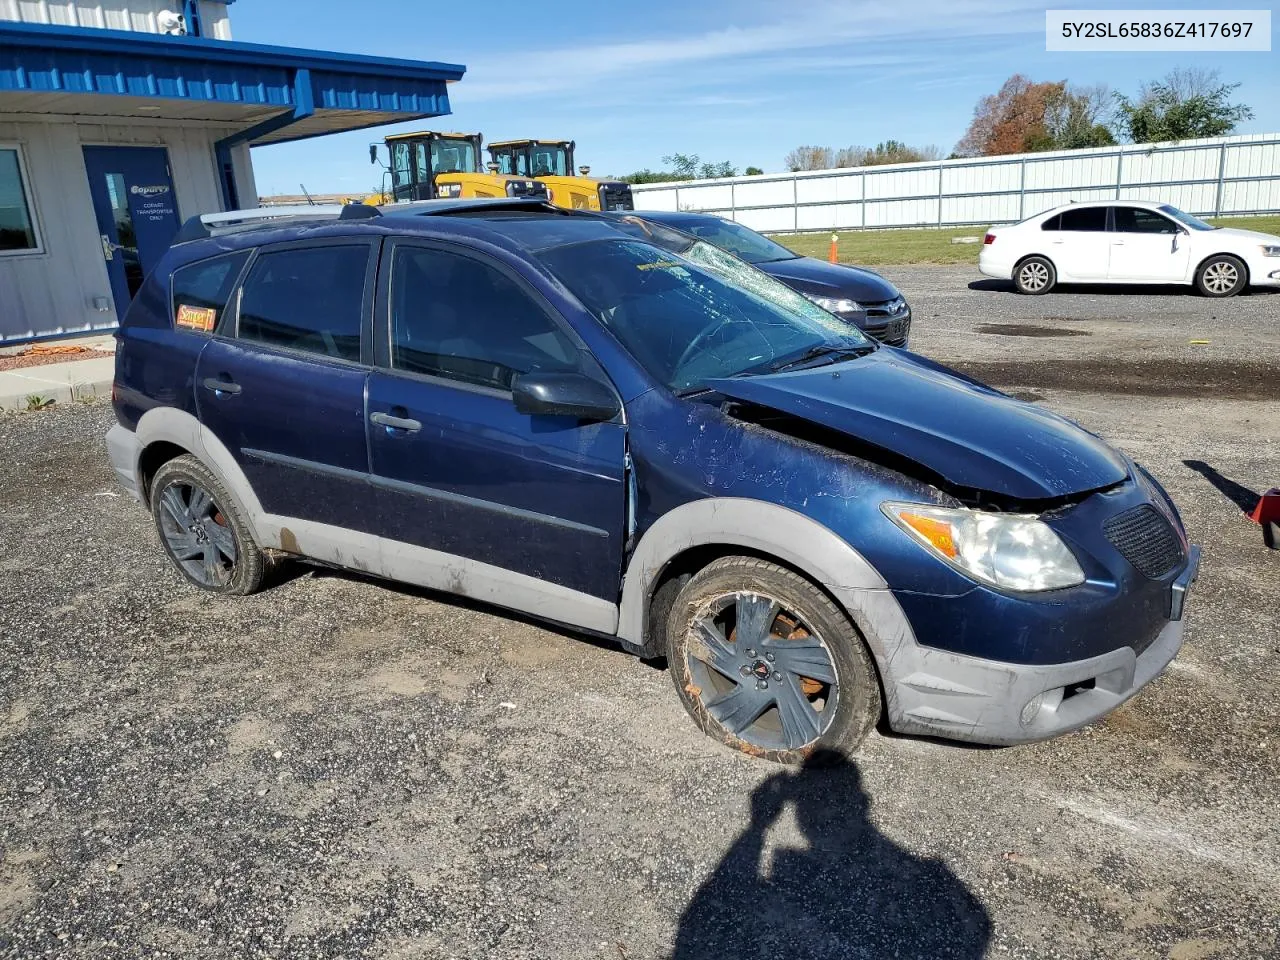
[
  {"x": 139, "y": 15},
  {"x": 53, "y": 291},
  {"x": 992, "y": 189}
]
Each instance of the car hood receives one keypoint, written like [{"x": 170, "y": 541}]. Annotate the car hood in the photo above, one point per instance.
[
  {"x": 1239, "y": 234},
  {"x": 827, "y": 279},
  {"x": 956, "y": 428}
]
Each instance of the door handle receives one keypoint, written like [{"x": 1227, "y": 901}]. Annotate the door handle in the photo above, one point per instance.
[
  {"x": 220, "y": 387},
  {"x": 1059, "y": 241},
  {"x": 395, "y": 423},
  {"x": 1117, "y": 243}
]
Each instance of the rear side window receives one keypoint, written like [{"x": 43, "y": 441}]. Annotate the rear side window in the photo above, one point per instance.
[
  {"x": 1053, "y": 223},
  {"x": 1085, "y": 219},
  {"x": 310, "y": 299},
  {"x": 201, "y": 291}
]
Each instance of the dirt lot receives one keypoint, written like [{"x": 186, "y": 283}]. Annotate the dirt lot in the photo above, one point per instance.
[{"x": 336, "y": 768}]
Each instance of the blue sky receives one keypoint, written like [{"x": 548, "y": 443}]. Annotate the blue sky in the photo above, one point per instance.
[{"x": 737, "y": 80}]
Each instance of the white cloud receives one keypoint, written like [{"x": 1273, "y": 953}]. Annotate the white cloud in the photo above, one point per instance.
[{"x": 890, "y": 32}]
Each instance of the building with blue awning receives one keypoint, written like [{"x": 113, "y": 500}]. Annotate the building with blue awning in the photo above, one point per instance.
[{"x": 116, "y": 123}]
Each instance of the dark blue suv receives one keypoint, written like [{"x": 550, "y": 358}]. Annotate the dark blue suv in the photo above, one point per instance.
[{"x": 554, "y": 412}]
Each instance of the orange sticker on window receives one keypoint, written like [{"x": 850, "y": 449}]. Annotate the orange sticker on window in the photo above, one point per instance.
[{"x": 197, "y": 318}]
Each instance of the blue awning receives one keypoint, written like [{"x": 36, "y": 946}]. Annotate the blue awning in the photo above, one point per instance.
[{"x": 272, "y": 94}]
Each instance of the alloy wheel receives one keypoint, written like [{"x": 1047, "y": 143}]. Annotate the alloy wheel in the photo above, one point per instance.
[
  {"x": 1221, "y": 276},
  {"x": 761, "y": 672},
  {"x": 1034, "y": 276},
  {"x": 197, "y": 533}
]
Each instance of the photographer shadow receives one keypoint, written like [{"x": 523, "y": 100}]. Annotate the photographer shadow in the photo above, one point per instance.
[{"x": 852, "y": 893}]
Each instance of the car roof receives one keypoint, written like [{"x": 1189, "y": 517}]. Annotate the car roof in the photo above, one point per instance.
[
  {"x": 675, "y": 218},
  {"x": 531, "y": 226},
  {"x": 1081, "y": 204}
]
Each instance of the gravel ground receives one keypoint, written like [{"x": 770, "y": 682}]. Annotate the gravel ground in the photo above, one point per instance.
[{"x": 339, "y": 768}]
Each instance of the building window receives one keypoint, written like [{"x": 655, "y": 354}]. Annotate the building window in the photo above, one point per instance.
[{"x": 17, "y": 226}]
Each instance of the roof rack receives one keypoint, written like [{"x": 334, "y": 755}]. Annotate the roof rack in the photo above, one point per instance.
[{"x": 212, "y": 224}]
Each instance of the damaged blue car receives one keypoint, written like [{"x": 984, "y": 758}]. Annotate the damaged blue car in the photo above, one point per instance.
[{"x": 634, "y": 434}]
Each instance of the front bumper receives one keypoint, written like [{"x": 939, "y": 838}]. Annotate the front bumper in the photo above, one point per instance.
[
  {"x": 938, "y": 693},
  {"x": 123, "y": 449}
]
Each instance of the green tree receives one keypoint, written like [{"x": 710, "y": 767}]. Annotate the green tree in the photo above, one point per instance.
[
  {"x": 752, "y": 172},
  {"x": 1185, "y": 104}
]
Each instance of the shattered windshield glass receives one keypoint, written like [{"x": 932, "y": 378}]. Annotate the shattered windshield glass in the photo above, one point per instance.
[{"x": 697, "y": 315}]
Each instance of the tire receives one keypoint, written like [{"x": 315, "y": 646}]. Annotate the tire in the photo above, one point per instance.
[
  {"x": 782, "y": 698},
  {"x": 1222, "y": 275},
  {"x": 1035, "y": 276},
  {"x": 203, "y": 529}
]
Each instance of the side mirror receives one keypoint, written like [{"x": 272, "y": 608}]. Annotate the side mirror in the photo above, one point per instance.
[
  {"x": 373, "y": 153},
  {"x": 564, "y": 395}
]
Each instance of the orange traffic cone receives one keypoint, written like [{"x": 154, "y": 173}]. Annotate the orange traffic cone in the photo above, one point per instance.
[
  {"x": 831, "y": 256},
  {"x": 1267, "y": 513}
]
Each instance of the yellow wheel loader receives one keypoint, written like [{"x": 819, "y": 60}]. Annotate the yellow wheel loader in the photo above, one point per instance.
[
  {"x": 551, "y": 162},
  {"x": 430, "y": 165}
]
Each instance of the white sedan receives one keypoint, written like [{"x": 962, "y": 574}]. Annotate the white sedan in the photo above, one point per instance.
[{"x": 1129, "y": 241}]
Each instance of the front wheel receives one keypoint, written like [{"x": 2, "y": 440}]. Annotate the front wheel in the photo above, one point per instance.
[
  {"x": 1034, "y": 276},
  {"x": 766, "y": 663},
  {"x": 1221, "y": 276}
]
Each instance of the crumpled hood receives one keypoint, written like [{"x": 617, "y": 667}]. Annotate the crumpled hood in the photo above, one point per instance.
[
  {"x": 831, "y": 279},
  {"x": 969, "y": 434}
]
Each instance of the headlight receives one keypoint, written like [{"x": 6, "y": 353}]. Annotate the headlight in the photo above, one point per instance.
[
  {"x": 834, "y": 304},
  {"x": 1010, "y": 551},
  {"x": 1271, "y": 249}
]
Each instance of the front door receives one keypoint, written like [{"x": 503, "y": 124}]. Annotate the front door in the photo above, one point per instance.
[
  {"x": 1147, "y": 247},
  {"x": 460, "y": 470},
  {"x": 136, "y": 210}
]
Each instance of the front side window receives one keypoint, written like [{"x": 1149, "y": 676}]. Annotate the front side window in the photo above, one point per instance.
[
  {"x": 17, "y": 228},
  {"x": 1138, "y": 220},
  {"x": 1085, "y": 220},
  {"x": 550, "y": 160},
  {"x": 201, "y": 291},
  {"x": 309, "y": 299},
  {"x": 741, "y": 242},
  {"x": 687, "y": 323},
  {"x": 456, "y": 317},
  {"x": 453, "y": 156}
]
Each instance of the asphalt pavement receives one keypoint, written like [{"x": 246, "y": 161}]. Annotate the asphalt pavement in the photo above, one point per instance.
[{"x": 343, "y": 768}]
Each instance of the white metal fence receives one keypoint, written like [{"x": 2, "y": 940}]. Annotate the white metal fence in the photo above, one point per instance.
[{"x": 1219, "y": 176}]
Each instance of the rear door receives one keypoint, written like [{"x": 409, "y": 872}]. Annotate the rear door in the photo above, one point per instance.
[
  {"x": 282, "y": 384},
  {"x": 1147, "y": 247},
  {"x": 457, "y": 467},
  {"x": 1076, "y": 241}
]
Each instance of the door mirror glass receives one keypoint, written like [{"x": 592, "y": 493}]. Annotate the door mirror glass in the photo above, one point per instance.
[{"x": 564, "y": 395}]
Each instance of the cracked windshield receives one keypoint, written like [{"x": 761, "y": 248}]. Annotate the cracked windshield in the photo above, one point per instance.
[{"x": 699, "y": 315}]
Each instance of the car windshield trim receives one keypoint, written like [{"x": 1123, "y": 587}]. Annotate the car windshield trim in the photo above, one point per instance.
[{"x": 1186, "y": 219}]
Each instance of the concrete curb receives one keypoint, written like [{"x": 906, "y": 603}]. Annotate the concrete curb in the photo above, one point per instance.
[{"x": 60, "y": 382}]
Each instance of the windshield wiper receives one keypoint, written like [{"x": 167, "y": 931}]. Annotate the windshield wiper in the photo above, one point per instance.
[{"x": 821, "y": 351}]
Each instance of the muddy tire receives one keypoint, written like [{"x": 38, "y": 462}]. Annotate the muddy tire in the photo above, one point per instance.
[
  {"x": 203, "y": 529},
  {"x": 766, "y": 663},
  {"x": 1222, "y": 276},
  {"x": 1034, "y": 276}
]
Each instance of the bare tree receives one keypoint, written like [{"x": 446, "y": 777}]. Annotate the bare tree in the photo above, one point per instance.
[{"x": 809, "y": 158}]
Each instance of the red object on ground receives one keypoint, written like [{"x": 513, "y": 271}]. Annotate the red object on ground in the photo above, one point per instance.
[
  {"x": 831, "y": 256},
  {"x": 1267, "y": 513}
]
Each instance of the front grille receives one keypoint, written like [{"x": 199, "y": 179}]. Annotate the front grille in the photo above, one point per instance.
[
  {"x": 616, "y": 196},
  {"x": 1146, "y": 539}
]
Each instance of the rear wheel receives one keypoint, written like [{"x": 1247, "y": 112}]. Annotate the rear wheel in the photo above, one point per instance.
[
  {"x": 766, "y": 663},
  {"x": 1034, "y": 276},
  {"x": 202, "y": 529},
  {"x": 1221, "y": 276}
]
